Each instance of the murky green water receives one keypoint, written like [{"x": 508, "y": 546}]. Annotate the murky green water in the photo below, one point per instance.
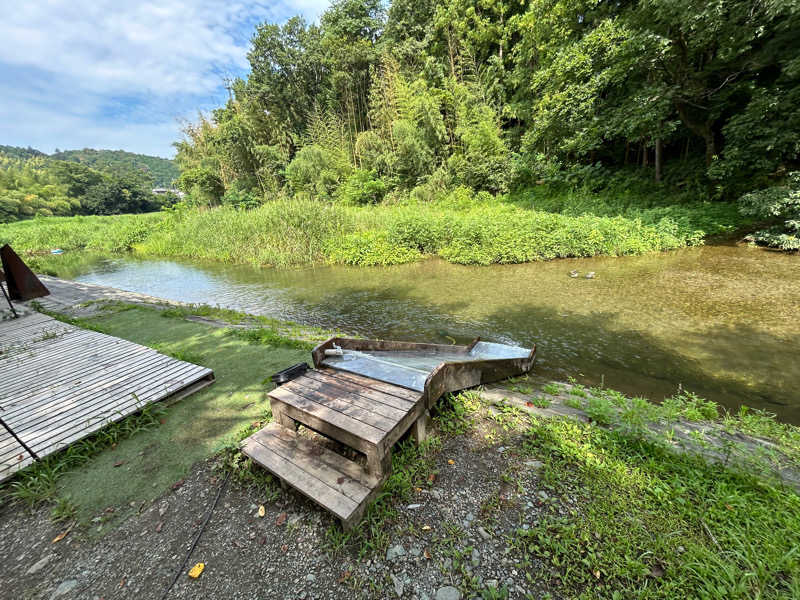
[{"x": 723, "y": 321}]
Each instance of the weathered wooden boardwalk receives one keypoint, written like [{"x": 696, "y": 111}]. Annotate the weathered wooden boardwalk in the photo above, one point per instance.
[{"x": 60, "y": 383}]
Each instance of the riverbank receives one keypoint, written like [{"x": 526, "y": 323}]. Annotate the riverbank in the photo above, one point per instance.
[
  {"x": 526, "y": 489},
  {"x": 462, "y": 228}
]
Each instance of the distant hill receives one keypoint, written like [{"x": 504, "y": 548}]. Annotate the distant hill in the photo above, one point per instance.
[
  {"x": 20, "y": 153},
  {"x": 162, "y": 170}
]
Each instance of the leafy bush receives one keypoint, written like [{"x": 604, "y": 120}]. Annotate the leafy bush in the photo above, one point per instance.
[
  {"x": 368, "y": 249},
  {"x": 317, "y": 170},
  {"x": 361, "y": 187},
  {"x": 777, "y": 203}
]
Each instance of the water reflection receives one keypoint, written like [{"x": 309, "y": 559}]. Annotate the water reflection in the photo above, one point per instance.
[{"x": 720, "y": 320}]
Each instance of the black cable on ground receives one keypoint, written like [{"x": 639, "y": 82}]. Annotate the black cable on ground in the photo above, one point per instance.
[{"x": 197, "y": 537}]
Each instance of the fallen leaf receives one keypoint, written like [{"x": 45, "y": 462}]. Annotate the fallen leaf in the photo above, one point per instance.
[
  {"x": 528, "y": 403},
  {"x": 451, "y": 462},
  {"x": 281, "y": 519},
  {"x": 284, "y": 548},
  {"x": 729, "y": 507},
  {"x": 110, "y": 509},
  {"x": 261, "y": 511},
  {"x": 345, "y": 576},
  {"x": 417, "y": 489},
  {"x": 426, "y": 528},
  {"x": 432, "y": 477},
  {"x": 19, "y": 457},
  {"x": 159, "y": 525},
  {"x": 114, "y": 446},
  {"x": 61, "y": 535},
  {"x": 178, "y": 484},
  {"x": 195, "y": 571},
  {"x": 262, "y": 540},
  {"x": 596, "y": 574},
  {"x": 340, "y": 481},
  {"x": 119, "y": 463},
  {"x": 427, "y": 554},
  {"x": 122, "y": 582},
  {"x": 162, "y": 421}
]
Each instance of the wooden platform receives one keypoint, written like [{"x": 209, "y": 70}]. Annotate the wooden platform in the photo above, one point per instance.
[
  {"x": 60, "y": 383},
  {"x": 367, "y": 415}
]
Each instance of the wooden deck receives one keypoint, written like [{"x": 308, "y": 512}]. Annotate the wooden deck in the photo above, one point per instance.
[
  {"x": 60, "y": 383},
  {"x": 367, "y": 415}
]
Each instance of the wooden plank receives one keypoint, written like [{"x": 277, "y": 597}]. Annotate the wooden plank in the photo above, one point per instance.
[
  {"x": 332, "y": 430},
  {"x": 101, "y": 402},
  {"x": 387, "y": 388},
  {"x": 76, "y": 373},
  {"x": 45, "y": 354},
  {"x": 311, "y": 487},
  {"x": 339, "y": 473},
  {"x": 117, "y": 392},
  {"x": 340, "y": 403},
  {"x": 370, "y": 395},
  {"x": 323, "y": 414},
  {"x": 74, "y": 367},
  {"x": 77, "y": 429},
  {"x": 73, "y": 391}
]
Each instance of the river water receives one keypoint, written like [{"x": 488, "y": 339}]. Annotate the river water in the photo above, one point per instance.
[{"x": 720, "y": 320}]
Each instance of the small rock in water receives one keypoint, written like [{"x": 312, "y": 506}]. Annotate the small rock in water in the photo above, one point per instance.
[{"x": 448, "y": 592}]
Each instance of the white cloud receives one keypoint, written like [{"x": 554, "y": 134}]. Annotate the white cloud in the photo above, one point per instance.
[{"x": 96, "y": 70}]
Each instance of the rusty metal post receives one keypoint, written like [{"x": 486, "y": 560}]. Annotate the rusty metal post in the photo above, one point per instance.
[
  {"x": 2, "y": 287},
  {"x": 22, "y": 283}
]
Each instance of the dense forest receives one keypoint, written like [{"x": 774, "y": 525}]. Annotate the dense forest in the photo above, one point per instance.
[
  {"x": 79, "y": 182},
  {"x": 662, "y": 102}
]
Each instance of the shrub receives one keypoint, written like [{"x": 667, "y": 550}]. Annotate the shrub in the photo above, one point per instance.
[
  {"x": 369, "y": 248},
  {"x": 361, "y": 187},
  {"x": 777, "y": 203},
  {"x": 317, "y": 171}
]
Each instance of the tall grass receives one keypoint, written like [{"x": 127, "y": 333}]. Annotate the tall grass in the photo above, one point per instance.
[{"x": 460, "y": 227}]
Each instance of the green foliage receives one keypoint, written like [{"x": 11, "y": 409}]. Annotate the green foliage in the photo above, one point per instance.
[
  {"x": 780, "y": 204},
  {"x": 160, "y": 172},
  {"x": 317, "y": 171},
  {"x": 655, "y": 524},
  {"x": 35, "y": 185},
  {"x": 361, "y": 187},
  {"x": 368, "y": 249}
]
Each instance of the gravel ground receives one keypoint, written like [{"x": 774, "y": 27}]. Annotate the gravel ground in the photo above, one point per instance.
[{"x": 449, "y": 541}]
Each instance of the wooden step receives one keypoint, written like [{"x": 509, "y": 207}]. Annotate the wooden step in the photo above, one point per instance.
[
  {"x": 361, "y": 413},
  {"x": 339, "y": 485}
]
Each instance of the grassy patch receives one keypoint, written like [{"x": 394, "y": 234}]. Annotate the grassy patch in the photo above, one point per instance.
[
  {"x": 459, "y": 226},
  {"x": 651, "y": 524},
  {"x": 138, "y": 468}
]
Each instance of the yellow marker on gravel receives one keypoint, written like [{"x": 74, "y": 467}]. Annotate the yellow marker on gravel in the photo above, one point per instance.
[{"x": 195, "y": 571}]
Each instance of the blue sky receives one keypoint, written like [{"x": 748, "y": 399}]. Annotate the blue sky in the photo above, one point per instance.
[{"x": 122, "y": 74}]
